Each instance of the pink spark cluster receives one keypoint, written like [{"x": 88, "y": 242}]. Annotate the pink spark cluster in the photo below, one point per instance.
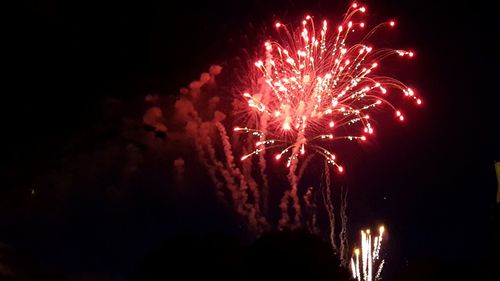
[{"x": 317, "y": 80}]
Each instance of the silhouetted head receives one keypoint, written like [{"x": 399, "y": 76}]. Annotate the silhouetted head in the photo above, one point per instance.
[
  {"x": 293, "y": 255},
  {"x": 277, "y": 255}
]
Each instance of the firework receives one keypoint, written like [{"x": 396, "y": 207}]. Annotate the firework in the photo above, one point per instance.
[
  {"x": 312, "y": 86},
  {"x": 316, "y": 81},
  {"x": 366, "y": 263}
]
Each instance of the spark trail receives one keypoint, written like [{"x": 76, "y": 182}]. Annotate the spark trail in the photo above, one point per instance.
[{"x": 371, "y": 264}]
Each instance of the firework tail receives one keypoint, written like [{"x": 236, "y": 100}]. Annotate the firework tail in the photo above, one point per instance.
[
  {"x": 371, "y": 265},
  {"x": 344, "y": 242},
  {"x": 327, "y": 200}
]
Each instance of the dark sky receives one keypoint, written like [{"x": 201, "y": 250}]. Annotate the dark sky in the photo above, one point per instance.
[{"x": 80, "y": 68}]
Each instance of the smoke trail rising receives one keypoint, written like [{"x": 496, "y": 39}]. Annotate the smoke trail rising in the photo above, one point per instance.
[
  {"x": 344, "y": 243},
  {"x": 253, "y": 209},
  {"x": 327, "y": 199}
]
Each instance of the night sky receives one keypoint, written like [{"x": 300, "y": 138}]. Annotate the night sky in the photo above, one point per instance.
[{"x": 87, "y": 193}]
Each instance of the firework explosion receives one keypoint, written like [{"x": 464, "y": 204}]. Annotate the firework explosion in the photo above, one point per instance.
[
  {"x": 316, "y": 83},
  {"x": 312, "y": 83},
  {"x": 370, "y": 265},
  {"x": 311, "y": 88}
]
